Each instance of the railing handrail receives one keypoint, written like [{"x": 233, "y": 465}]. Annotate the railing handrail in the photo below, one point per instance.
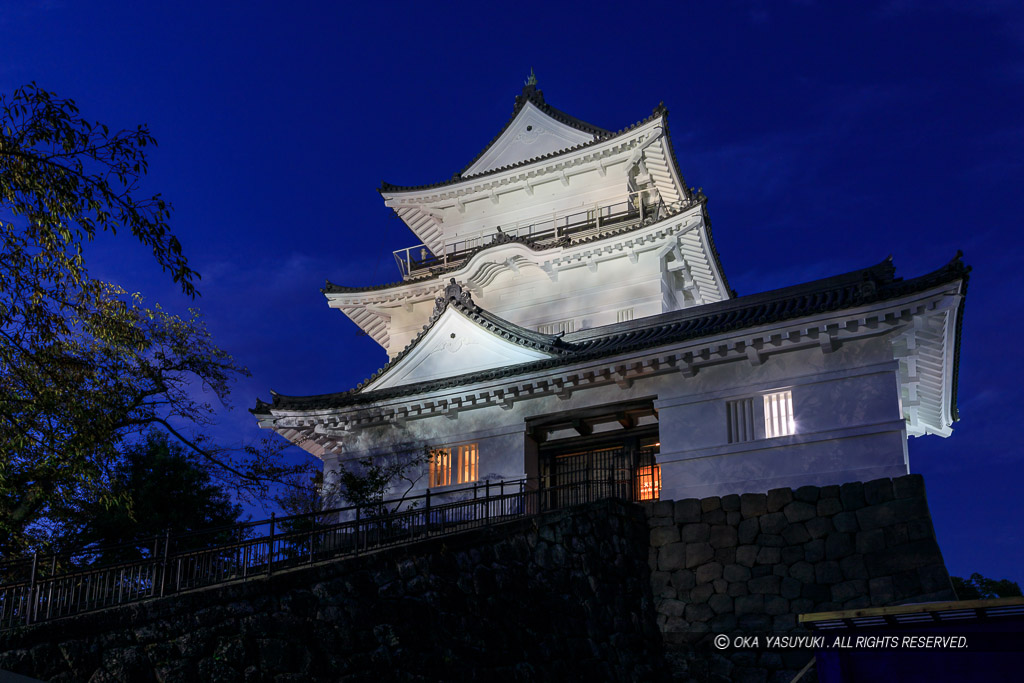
[
  {"x": 83, "y": 589},
  {"x": 404, "y": 259}
]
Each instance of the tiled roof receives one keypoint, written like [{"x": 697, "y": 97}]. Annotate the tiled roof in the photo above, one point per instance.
[
  {"x": 600, "y": 134},
  {"x": 874, "y": 284}
]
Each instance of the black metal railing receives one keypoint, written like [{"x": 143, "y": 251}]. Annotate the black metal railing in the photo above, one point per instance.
[{"x": 48, "y": 587}]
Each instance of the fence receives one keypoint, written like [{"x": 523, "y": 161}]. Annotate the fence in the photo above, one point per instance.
[{"x": 42, "y": 588}]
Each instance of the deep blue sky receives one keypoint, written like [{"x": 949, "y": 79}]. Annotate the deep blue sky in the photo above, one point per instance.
[{"x": 827, "y": 136}]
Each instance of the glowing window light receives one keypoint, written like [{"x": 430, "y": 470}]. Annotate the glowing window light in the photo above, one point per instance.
[
  {"x": 469, "y": 463},
  {"x": 778, "y": 414},
  {"x": 441, "y": 467},
  {"x": 648, "y": 482}
]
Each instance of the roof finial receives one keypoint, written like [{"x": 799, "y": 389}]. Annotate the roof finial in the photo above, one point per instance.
[{"x": 532, "y": 80}]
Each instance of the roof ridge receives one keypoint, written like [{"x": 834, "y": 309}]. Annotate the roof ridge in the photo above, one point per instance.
[{"x": 660, "y": 110}]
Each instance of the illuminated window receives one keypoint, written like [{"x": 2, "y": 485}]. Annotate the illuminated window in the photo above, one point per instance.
[
  {"x": 648, "y": 482},
  {"x": 778, "y": 414},
  {"x": 441, "y": 467},
  {"x": 469, "y": 463},
  {"x": 740, "y": 416},
  {"x": 459, "y": 467}
]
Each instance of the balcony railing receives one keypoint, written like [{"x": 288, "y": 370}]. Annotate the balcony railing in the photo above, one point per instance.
[
  {"x": 623, "y": 212},
  {"x": 42, "y": 588}
]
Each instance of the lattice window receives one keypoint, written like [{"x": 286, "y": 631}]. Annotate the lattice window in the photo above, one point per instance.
[
  {"x": 458, "y": 465},
  {"x": 624, "y": 314},
  {"x": 740, "y": 416},
  {"x": 648, "y": 482},
  {"x": 778, "y": 414}
]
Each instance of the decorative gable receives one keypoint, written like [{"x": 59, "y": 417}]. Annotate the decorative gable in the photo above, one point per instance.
[
  {"x": 532, "y": 133},
  {"x": 461, "y": 338}
]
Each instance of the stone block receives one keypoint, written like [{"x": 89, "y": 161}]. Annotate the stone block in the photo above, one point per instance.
[
  {"x": 765, "y": 585},
  {"x": 920, "y": 529},
  {"x": 906, "y": 585},
  {"x": 845, "y": 522},
  {"x": 848, "y": 590},
  {"x": 934, "y": 578},
  {"x": 721, "y": 604},
  {"x": 907, "y": 557},
  {"x": 779, "y": 498},
  {"x": 714, "y": 516},
  {"x": 838, "y": 546},
  {"x": 733, "y": 517},
  {"x": 723, "y": 536},
  {"x": 683, "y": 579},
  {"x": 725, "y": 555},
  {"x": 799, "y": 511},
  {"x": 896, "y": 535},
  {"x": 790, "y": 588},
  {"x": 908, "y": 486},
  {"x": 662, "y": 508},
  {"x": 748, "y": 530},
  {"x": 807, "y": 494},
  {"x": 818, "y": 527},
  {"x": 814, "y": 551},
  {"x": 760, "y": 570},
  {"x": 771, "y": 541},
  {"x": 687, "y": 511},
  {"x": 753, "y": 504},
  {"x": 801, "y": 606},
  {"x": 853, "y": 567},
  {"x": 707, "y": 573},
  {"x": 795, "y": 534},
  {"x": 878, "y": 491},
  {"x": 828, "y": 572},
  {"x": 672, "y": 557},
  {"x": 749, "y": 604},
  {"x": 791, "y": 554},
  {"x": 701, "y": 592},
  {"x": 731, "y": 502},
  {"x": 803, "y": 572},
  {"x": 671, "y": 608},
  {"x": 870, "y": 541},
  {"x": 852, "y": 495},
  {"x": 695, "y": 533},
  {"x": 698, "y": 553},
  {"x": 769, "y": 555},
  {"x": 663, "y": 535},
  {"x": 892, "y": 512},
  {"x": 782, "y": 624},
  {"x": 724, "y": 623},
  {"x": 831, "y": 491},
  {"x": 827, "y": 507},
  {"x": 773, "y": 523},
  {"x": 754, "y": 622},
  {"x": 737, "y": 589},
  {"x": 702, "y": 612},
  {"x": 661, "y": 585},
  {"x": 815, "y": 592},
  {"x": 747, "y": 555},
  {"x": 709, "y": 504},
  {"x": 735, "y": 572},
  {"x": 775, "y": 605}
]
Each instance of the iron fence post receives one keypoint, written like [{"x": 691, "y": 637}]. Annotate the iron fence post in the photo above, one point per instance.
[
  {"x": 32, "y": 589},
  {"x": 270, "y": 544},
  {"x": 358, "y": 508},
  {"x": 426, "y": 514},
  {"x": 487, "y": 505},
  {"x": 167, "y": 550}
]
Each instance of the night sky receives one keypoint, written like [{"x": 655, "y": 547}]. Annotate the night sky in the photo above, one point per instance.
[{"x": 827, "y": 136}]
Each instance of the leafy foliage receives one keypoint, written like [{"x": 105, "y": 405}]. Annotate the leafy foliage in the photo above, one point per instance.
[
  {"x": 166, "y": 489},
  {"x": 978, "y": 587},
  {"x": 84, "y": 367}
]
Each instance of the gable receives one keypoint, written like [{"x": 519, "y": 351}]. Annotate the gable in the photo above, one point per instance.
[
  {"x": 531, "y": 134},
  {"x": 455, "y": 345}
]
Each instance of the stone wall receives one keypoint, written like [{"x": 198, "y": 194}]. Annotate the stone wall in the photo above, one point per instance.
[
  {"x": 560, "y": 597},
  {"x": 751, "y": 563}
]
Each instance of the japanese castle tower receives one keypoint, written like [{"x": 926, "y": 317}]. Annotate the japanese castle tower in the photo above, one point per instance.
[{"x": 566, "y": 315}]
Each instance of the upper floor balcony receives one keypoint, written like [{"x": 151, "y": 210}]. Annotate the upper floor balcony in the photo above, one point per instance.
[{"x": 569, "y": 226}]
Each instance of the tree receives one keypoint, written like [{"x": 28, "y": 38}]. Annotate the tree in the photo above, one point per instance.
[
  {"x": 84, "y": 367},
  {"x": 165, "y": 488},
  {"x": 978, "y": 587}
]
